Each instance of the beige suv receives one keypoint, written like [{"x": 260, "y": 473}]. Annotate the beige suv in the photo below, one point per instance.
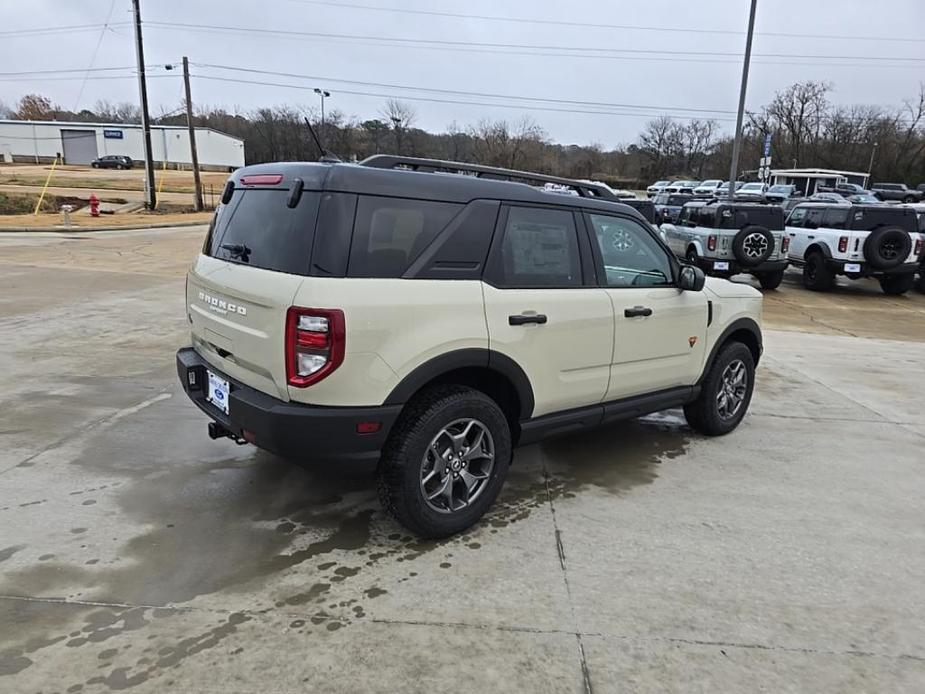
[{"x": 432, "y": 316}]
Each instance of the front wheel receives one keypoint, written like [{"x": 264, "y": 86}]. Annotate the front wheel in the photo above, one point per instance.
[
  {"x": 770, "y": 280},
  {"x": 445, "y": 461},
  {"x": 725, "y": 392},
  {"x": 894, "y": 285}
]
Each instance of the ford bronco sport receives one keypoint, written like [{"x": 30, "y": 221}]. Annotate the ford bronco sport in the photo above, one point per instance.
[
  {"x": 726, "y": 239},
  {"x": 880, "y": 241},
  {"x": 431, "y": 316}
]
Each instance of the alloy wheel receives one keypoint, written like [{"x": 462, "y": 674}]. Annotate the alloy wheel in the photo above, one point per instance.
[
  {"x": 733, "y": 386},
  {"x": 457, "y": 465}
]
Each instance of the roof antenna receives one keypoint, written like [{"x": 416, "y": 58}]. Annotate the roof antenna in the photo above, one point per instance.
[{"x": 326, "y": 156}]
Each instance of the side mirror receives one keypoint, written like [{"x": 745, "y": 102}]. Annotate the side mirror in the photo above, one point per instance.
[{"x": 691, "y": 279}]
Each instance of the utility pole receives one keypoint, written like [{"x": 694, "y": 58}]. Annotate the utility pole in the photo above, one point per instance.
[
  {"x": 323, "y": 94},
  {"x": 737, "y": 143},
  {"x": 194, "y": 153},
  {"x": 150, "y": 190},
  {"x": 873, "y": 153}
]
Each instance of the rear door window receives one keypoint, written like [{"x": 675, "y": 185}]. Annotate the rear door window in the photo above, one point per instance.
[
  {"x": 390, "y": 233},
  {"x": 835, "y": 218},
  {"x": 257, "y": 228},
  {"x": 539, "y": 249}
]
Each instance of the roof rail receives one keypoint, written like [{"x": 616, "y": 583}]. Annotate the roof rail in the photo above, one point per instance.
[{"x": 389, "y": 161}]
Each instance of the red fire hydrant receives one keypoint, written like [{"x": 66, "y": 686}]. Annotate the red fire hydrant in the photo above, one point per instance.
[{"x": 94, "y": 205}]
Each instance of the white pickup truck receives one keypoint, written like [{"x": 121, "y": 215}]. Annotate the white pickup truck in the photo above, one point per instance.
[{"x": 879, "y": 241}]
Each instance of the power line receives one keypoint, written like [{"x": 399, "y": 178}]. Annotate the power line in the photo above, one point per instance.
[
  {"x": 96, "y": 50},
  {"x": 460, "y": 92},
  {"x": 61, "y": 30},
  {"x": 597, "y": 25},
  {"x": 592, "y": 52},
  {"x": 66, "y": 70}
]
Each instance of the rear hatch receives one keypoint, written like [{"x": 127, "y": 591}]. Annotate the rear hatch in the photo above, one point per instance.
[{"x": 253, "y": 262}]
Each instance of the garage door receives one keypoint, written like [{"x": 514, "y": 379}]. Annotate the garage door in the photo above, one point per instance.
[{"x": 79, "y": 146}]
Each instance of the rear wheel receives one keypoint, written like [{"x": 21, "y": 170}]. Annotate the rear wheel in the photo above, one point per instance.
[
  {"x": 894, "y": 285},
  {"x": 445, "y": 461},
  {"x": 725, "y": 393},
  {"x": 816, "y": 276},
  {"x": 770, "y": 280},
  {"x": 920, "y": 282}
]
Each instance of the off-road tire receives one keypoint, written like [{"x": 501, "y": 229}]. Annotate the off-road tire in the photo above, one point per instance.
[
  {"x": 399, "y": 473},
  {"x": 909, "y": 199},
  {"x": 920, "y": 281},
  {"x": 770, "y": 280},
  {"x": 887, "y": 247},
  {"x": 703, "y": 413},
  {"x": 894, "y": 285},
  {"x": 816, "y": 276}
]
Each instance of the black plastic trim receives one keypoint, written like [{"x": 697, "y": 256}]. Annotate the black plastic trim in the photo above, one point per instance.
[
  {"x": 741, "y": 324},
  {"x": 460, "y": 359},
  {"x": 288, "y": 429},
  {"x": 604, "y": 413}
]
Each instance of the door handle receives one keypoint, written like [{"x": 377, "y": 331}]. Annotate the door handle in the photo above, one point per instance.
[
  {"x": 637, "y": 311},
  {"x": 522, "y": 319}
]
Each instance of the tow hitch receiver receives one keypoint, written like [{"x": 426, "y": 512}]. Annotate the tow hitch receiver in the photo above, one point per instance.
[{"x": 217, "y": 431}]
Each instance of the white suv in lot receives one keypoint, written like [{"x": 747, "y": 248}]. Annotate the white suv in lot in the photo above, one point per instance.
[
  {"x": 393, "y": 312},
  {"x": 726, "y": 239},
  {"x": 880, "y": 241}
]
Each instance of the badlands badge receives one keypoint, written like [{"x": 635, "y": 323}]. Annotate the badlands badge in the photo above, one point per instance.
[{"x": 692, "y": 340}]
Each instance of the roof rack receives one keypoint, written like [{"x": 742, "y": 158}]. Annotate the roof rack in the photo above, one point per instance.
[{"x": 389, "y": 161}]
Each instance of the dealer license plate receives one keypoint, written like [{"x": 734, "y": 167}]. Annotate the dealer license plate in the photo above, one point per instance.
[
  {"x": 218, "y": 392},
  {"x": 720, "y": 265},
  {"x": 852, "y": 267}
]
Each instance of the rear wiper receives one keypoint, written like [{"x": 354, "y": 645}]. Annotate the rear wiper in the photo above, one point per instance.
[{"x": 237, "y": 250}]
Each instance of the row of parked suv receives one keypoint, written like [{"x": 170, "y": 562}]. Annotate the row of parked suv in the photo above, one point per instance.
[
  {"x": 760, "y": 192},
  {"x": 825, "y": 239}
]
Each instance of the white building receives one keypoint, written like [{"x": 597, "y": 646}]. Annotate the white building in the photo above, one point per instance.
[
  {"x": 80, "y": 143},
  {"x": 808, "y": 180}
]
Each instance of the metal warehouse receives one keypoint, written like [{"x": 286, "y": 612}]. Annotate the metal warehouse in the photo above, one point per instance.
[{"x": 80, "y": 143}]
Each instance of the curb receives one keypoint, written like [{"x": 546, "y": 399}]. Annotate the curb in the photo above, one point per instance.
[{"x": 84, "y": 230}]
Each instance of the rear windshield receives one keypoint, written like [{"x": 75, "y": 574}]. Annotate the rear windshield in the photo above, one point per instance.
[
  {"x": 770, "y": 217},
  {"x": 870, "y": 219},
  {"x": 257, "y": 228},
  {"x": 678, "y": 199}
]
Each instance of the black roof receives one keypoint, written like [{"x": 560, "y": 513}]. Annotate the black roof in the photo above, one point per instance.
[
  {"x": 865, "y": 207},
  {"x": 427, "y": 185},
  {"x": 735, "y": 205}
]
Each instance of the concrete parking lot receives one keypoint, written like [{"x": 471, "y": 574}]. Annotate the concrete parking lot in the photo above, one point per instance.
[{"x": 137, "y": 554}]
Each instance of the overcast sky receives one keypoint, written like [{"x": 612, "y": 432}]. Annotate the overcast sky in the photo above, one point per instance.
[{"x": 861, "y": 41}]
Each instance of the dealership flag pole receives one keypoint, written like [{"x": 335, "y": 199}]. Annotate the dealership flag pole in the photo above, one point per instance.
[
  {"x": 737, "y": 143},
  {"x": 150, "y": 194}
]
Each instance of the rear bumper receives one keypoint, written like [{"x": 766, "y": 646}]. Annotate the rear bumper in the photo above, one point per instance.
[
  {"x": 838, "y": 267},
  {"x": 708, "y": 265},
  {"x": 288, "y": 429}
]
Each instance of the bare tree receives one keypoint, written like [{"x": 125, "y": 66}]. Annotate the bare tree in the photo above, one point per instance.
[
  {"x": 402, "y": 117},
  {"x": 35, "y": 107},
  {"x": 5, "y": 111}
]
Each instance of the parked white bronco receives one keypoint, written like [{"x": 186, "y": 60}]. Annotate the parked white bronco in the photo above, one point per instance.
[
  {"x": 880, "y": 241},
  {"x": 725, "y": 239},
  {"x": 398, "y": 313}
]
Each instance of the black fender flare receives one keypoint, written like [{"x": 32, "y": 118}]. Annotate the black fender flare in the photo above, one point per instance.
[
  {"x": 818, "y": 246},
  {"x": 460, "y": 359},
  {"x": 747, "y": 324}
]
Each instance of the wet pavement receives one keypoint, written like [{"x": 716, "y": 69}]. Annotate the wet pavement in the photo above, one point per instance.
[{"x": 136, "y": 554}]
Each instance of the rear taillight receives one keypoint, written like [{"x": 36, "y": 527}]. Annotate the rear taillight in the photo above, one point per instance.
[
  {"x": 918, "y": 247},
  {"x": 785, "y": 244},
  {"x": 711, "y": 242},
  {"x": 314, "y": 344},
  {"x": 842, "y": 244}
]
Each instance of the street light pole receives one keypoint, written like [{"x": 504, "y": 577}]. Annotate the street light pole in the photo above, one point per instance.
[
  {"x": 323, "y": 94},
  {"x": 873, "y": 152},
  {"x": 737, "y": 143},
  {"x": 150, "y": 192}
]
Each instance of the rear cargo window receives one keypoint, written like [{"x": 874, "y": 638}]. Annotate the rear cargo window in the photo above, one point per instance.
[
  {"x": 256, "y": 228},
  {"x": 390, "y": 233},
  {"x": 868, "y": 220}
]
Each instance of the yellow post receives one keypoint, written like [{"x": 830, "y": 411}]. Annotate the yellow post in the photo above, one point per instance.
[
  {"x": 38, "y": 205},
  {"x": 160, "y": 184}
]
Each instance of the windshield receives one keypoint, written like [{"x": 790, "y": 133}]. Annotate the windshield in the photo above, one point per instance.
[
  {"x": 710, "y": 184},
  {"x": 780, "y": 189},
  {"x": 752, "y": 186}
]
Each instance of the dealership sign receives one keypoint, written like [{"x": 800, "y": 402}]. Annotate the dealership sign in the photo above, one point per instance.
[{"x": 112, "y": 134}]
